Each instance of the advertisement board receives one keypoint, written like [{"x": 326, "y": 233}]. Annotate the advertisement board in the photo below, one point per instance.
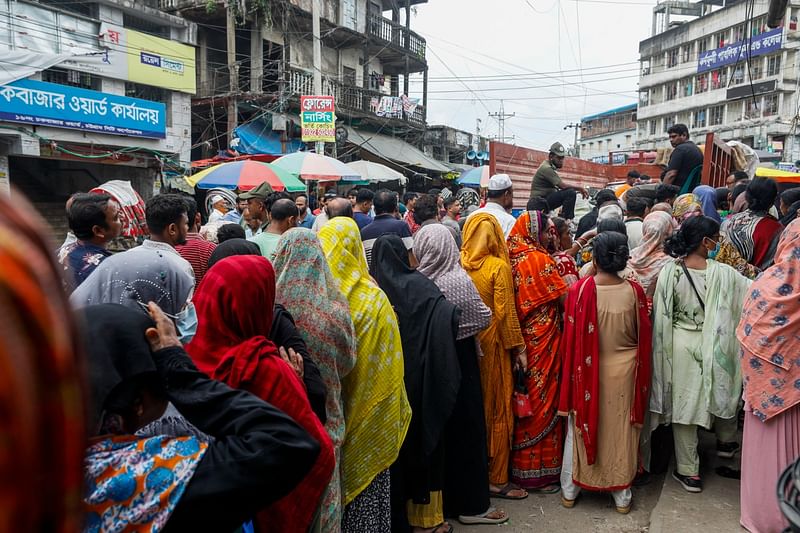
[
  {"x": 317, "y": 119},
  {"x": 761, "y": 44},
  {"x": 63, "y": 106}
]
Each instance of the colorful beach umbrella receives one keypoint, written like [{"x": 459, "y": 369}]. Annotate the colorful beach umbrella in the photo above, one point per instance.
[
  {"x": 315, "y": 167},
  {"x": 245, "y": 175},
  {"x": 475, "y": 177},
  {"x": 376, "y": 173}
]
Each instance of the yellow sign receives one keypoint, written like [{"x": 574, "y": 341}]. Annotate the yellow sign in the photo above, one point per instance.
[{"x": 161, "y": 63}]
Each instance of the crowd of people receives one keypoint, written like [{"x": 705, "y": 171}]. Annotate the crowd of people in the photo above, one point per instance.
[{"x": 375, "y": 366}]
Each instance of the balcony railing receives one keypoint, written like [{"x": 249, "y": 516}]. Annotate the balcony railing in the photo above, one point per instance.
[
  {"x": 346, "y": 97},
  {"x": 397, "y": 35}
]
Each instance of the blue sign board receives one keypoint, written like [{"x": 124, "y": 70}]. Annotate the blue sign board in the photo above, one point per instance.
[
  {"x": 761, "y": 44},
  {"x": 62, "y": 106}
]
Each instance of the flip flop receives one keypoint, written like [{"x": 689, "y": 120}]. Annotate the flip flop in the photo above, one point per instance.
[
  {"x": 503, "y": 493},
  {"x": 550, "y": 489},
  {"x": 482, "y": 518}
]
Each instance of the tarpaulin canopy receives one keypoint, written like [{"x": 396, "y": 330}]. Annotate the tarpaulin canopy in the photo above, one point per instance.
[
  {"x": 257, "y": 137},
  {"x": 395, "y": 150}
]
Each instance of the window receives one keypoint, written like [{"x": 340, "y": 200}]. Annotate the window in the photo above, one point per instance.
[
  {"x": 702, "y": 84},
  {"x": 147, "y": 92},
  {"x": 719, "y": 78},
  {"x": 738, "y": 33},
  {"x": 136, "y": 23},
  {"x": 687, "y": 87},
  {"x": 702, "y": 45},
  {"x": 720, "y": 39},
  {"x": 668, "y": 123},
  {"x": 654, "y": 96},
  {"x": 672, "y": 57},
  {"x": 72, "y": 78},
  {"x": 715, "y": 115},
  {"x": 734, "y": 111},
  {"x": 751, "y": 108},
  {"x": 770, "y": 105},
  {"x": 686, "y": 55},
  {"x": 653, "y": 126},
  {"x": 699, "y": 119},
  {"x": 757, "y": 69},
  {"x": 671, "y": 91},
  {"x": 645, "y": 67},
  {"x": 737, "y": 78},
  {"x": 773, "y": 65},
  {"x": 349, "y": 76},
  {"x": 759, "y": 25}
]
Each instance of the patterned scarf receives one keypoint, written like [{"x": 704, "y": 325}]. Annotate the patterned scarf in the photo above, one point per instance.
[{"x": 649, "y": 258}]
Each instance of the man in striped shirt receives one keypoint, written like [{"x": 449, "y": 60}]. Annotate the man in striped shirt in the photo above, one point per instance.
[{"x": 197, "y": 250}]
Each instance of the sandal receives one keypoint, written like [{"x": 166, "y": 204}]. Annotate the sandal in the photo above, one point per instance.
[
  {"x": 483, "y": 518},
  {"x": 555, "y": 488},
  {"x": 504, "y": 492},
  {"x": 438, "y": 528}
]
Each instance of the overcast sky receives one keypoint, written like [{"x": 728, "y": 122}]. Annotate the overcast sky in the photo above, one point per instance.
[{"x": 556, "y": 61}]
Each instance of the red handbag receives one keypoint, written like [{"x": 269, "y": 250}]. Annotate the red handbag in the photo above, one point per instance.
[{"x": 521, "y": 401}]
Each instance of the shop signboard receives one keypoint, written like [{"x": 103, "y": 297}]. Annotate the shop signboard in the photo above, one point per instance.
[
  {"x": 317, "y": 119},
  {"x": 63, "y": 106}
]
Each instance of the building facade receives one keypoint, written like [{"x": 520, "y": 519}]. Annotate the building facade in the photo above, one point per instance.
[
  {"x": 90, "y": 92},
  {"x": 722, "y": 72},
  {"x": 456, "y": 147},
  {"x": 610, "y": 131}
]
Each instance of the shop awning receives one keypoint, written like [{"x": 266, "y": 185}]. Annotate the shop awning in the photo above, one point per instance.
[
  {"x": 395, "y": 150},
  {"x": 257, "y": 137}
]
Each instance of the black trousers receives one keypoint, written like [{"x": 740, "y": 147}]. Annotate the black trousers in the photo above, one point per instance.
[{"x": 565, "y": 199}]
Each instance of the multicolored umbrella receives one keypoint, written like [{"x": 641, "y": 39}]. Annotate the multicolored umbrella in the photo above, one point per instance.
[
  {"x": 475, "y": 177},
  {"x": 245, "y": 175},
  {"x": 315, "y": 167}
]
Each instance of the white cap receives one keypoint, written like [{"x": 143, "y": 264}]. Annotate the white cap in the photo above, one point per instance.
[
  {"x": 216, "y": 198},
  {"x": 499, "y": 182}
]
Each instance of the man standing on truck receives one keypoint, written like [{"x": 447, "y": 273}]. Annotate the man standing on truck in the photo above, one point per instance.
[
  {"x": 547, "y": 184},
  {"x": 685, "y": 156}
]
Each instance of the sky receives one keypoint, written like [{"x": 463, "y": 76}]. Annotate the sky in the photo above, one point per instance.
[{"x": 550, "y": 61}]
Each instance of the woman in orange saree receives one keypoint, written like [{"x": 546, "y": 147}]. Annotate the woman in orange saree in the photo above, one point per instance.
[{"x": 539, "y": 289}]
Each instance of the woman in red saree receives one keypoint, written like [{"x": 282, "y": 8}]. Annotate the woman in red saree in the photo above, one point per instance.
[
  {"x": 607, "y": 339},
  {"x": 234, "y": 309},
  {"x": 539, "y": 289}
]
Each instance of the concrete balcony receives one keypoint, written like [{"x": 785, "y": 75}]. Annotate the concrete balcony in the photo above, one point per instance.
[{"x": 395, "y": 45}]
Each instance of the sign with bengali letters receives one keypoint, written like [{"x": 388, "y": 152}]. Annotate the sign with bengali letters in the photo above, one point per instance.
[
  {"x": 317, "y": 119},
  {"x": 63, "y": 106},
  {"x": 759, "y": 45}
]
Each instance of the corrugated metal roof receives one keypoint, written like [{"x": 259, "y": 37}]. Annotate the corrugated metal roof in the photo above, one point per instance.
[
  {"x": 630, "y": 107},
  {"x": 395, "y": 150}
]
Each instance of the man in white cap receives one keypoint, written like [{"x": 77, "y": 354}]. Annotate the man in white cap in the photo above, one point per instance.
[
  {"x": 499, "y": 201},
  {"x": 219, "y": 208},
  {"x": 547, "y": 184}
]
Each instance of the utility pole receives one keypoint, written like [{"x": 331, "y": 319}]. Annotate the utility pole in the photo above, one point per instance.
[
  {"x": 575, "y": 126},
  {"x": 233, "y": 70},
  {"x": 501, "y": 117},
  {"x": 317, "y": 58}
]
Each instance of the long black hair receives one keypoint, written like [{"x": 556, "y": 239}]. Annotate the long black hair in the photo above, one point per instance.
[{"x": 690, "y": 236}]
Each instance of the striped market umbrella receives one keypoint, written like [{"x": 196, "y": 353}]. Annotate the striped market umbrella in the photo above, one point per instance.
[
  {"x": 245, "y": 175},
  {"x": 315, "y": 167},
  {"x": 475, "y": 177}
]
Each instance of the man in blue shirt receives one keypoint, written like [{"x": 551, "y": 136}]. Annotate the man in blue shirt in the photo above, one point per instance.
[
  {"x": 306, "y": 218},
  {"x": 362, "y": 207},
  {"x": 95, "y": 221},
  {"x": 386, "y": 222}
]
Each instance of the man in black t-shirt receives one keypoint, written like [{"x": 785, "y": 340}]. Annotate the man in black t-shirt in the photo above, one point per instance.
[{"x": 685, "y": 156}]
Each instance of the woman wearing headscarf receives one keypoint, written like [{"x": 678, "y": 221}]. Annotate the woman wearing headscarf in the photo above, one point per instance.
[
  {"x": 466, "y": 471},
  {"x": 686, "y": 206},
  {"x": 753, "y": 230},
  {"x": 708, "y": 201},
  {"x": 562, "y": 246},
  {"x": 539, "y": 290},
  {"x": 376, "y": 407},
  {"x": 649, "y": 258},
  {"x": 41, "y": 382},
  {"x": 428, "y": 326},
  {"x": 174, "y": 450},
  {"x": 768, "y": 334},
  {"x": 696, "y": 375},
  {"x": 235, "y": 306},
  {"x": 485, "y": 258},
  {"x": 305, "y": 287},
  {"x": 607, "y": 334}
]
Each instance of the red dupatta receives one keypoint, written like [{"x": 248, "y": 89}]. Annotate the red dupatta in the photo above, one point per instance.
[
  {"x": 580, "y": 378},
  {"x": 234, "y": 306}
]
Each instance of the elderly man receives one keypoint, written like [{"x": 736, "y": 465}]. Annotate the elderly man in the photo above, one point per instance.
[
  {"x": 283, "y": 217},
  {"x": 547, "y": 184},
  {"x": 499, "y": 201},
  {"x": 219, "y": 208}
]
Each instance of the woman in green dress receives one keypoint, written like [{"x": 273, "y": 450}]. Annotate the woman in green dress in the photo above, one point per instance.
[{"x": 697, "y": 379}]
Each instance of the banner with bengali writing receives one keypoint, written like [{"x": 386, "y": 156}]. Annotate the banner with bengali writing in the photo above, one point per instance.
[
  {"x": 761, "y": 44},
  {"x": 63, "y": 106},
  {"x": 317, "y": 118}
]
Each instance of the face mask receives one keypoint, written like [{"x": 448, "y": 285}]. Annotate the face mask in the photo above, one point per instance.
[
  {"x": 713, "y": 253},
  {"x": 186, "y": 323}
]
